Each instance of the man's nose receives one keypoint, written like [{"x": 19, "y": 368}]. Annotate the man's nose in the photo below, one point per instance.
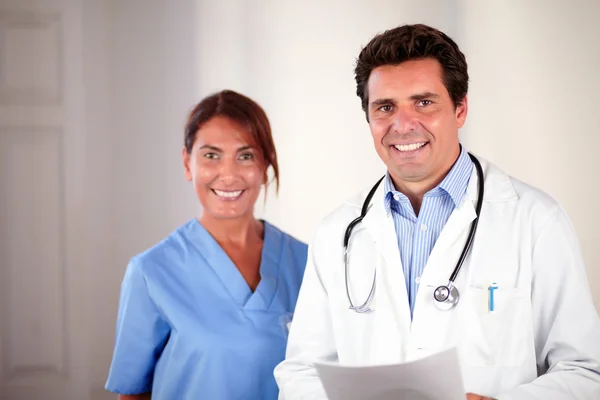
[{"x": 405, "y": 120}]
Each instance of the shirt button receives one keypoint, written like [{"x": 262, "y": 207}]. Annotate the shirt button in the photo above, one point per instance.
[
  {"x": 423, "y": 227},
  {"x": 418, "y": 280},
  {"x": 396, "y": 197}
]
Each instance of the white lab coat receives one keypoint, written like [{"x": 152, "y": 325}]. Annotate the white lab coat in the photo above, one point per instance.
[{"x": 544, "y": 322}]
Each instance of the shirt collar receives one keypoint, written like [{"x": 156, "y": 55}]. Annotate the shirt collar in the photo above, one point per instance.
[
  {"x": 454, "y": 184},
  {"x": 457, "y": 180}
]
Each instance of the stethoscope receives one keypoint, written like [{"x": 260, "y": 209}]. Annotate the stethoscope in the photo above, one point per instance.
[{"x": 446, "y": 296}]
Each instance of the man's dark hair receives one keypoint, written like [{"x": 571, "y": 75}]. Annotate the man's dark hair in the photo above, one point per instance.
[{"x": 413, "y": 42}]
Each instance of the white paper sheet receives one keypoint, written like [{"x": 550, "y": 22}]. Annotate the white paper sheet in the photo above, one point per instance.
[{"x": 435, "y": 377}]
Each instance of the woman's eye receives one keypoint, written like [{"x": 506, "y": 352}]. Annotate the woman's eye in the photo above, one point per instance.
[
  {"x": 246, "y": 156},
  {"x": 211, "y": 156}
]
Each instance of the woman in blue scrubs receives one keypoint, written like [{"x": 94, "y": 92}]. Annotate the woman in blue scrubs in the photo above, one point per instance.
[{"x": 203, "y": 314}]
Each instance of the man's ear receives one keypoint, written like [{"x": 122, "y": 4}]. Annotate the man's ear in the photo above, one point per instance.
[{"x": 461, "y": 112}]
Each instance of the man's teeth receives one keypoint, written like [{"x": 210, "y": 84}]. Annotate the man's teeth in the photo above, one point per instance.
[
  {"x": 222, "y": 193},
  {"x": 410, "y": 147}
]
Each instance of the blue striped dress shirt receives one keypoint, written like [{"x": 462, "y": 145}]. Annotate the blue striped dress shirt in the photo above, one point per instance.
[{"x": 417, "y": 234}]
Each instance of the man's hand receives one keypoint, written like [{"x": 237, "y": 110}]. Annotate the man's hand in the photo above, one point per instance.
[{"x": 472, "y": 396}]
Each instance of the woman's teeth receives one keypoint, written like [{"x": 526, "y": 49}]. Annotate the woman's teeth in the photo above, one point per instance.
[
  {"x": 410, "y": 147},
  {"x": 227, "y": 194}
]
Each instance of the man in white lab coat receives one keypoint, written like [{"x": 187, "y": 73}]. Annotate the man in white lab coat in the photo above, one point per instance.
[{"x": 524, "y": 326}]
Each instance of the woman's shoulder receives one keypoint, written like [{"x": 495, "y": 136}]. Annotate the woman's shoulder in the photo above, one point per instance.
[
  {"x": 287, "y": 238},
  {"x": 170, "y": 250}
]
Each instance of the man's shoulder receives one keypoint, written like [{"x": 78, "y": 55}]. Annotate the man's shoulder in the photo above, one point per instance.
[
  {"x": 527, "y": 197},
  {"x": 346, "y": 212},
  {"x": 524, "y": 190}
]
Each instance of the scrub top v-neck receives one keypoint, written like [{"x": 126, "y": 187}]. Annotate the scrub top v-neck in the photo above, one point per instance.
[{"x": 190, "y": 327}]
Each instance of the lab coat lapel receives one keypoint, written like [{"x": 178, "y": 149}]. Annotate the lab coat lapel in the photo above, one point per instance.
[
  {"x": 452, "y": 239},
  {"x": 389, "y": 275},
  {"x": 447, "y": 250}
]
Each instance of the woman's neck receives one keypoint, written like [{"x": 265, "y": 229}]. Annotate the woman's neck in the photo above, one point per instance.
[{"x": 240, "y": 232}]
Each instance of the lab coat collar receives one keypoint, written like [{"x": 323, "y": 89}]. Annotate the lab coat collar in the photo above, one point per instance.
[{"x": 498, "y": 187}]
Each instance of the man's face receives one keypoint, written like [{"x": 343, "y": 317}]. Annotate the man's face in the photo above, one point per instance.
[{"x": 413, "y": 121}]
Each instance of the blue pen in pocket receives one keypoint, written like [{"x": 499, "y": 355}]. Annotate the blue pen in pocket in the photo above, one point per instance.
[{"x": 491, "y": 290}]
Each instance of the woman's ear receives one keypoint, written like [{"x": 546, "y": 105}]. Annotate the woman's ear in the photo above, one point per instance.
[
  {"x": 266, "y": 174},
  {"x": 185, "y": 156}
]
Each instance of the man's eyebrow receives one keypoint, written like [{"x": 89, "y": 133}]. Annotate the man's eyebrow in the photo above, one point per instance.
[
  {"x": 424, "y": 95},
  {"x": 414, "y": 97},
  {"x": 380, "y": 102}
]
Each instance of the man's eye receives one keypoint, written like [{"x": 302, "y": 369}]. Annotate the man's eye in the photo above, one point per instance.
[
  {"x": 385, "y": 108},
  {"x": 423, "y": 103}
]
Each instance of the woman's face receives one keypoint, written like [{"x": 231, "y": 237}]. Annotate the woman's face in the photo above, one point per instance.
[{"x": 226, "y": 169}]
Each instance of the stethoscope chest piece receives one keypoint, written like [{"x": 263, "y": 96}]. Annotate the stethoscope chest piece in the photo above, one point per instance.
[{"x": 446, "y": 297}]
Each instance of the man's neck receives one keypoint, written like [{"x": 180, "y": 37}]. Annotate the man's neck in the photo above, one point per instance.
[{"x": 415, "y": 191}]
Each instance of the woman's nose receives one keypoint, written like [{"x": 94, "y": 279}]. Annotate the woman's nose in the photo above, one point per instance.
[{"x": 228, "y": 170}]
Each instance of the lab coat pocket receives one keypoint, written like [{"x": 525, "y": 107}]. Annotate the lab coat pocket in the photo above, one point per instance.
[{"x": 496, "y": 335}]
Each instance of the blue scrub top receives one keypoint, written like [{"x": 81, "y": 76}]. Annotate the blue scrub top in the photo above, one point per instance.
[{"x": 189, "y": 327}]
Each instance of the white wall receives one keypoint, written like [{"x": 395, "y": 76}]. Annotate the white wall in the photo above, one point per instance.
[
  {"x": 140, "y": 83},
  {"x": 99, "y": 186},
  {"x": 297, "y": 60},
  {"x": 534, "y": 101},
  {"x": 154, "y": 87}
]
